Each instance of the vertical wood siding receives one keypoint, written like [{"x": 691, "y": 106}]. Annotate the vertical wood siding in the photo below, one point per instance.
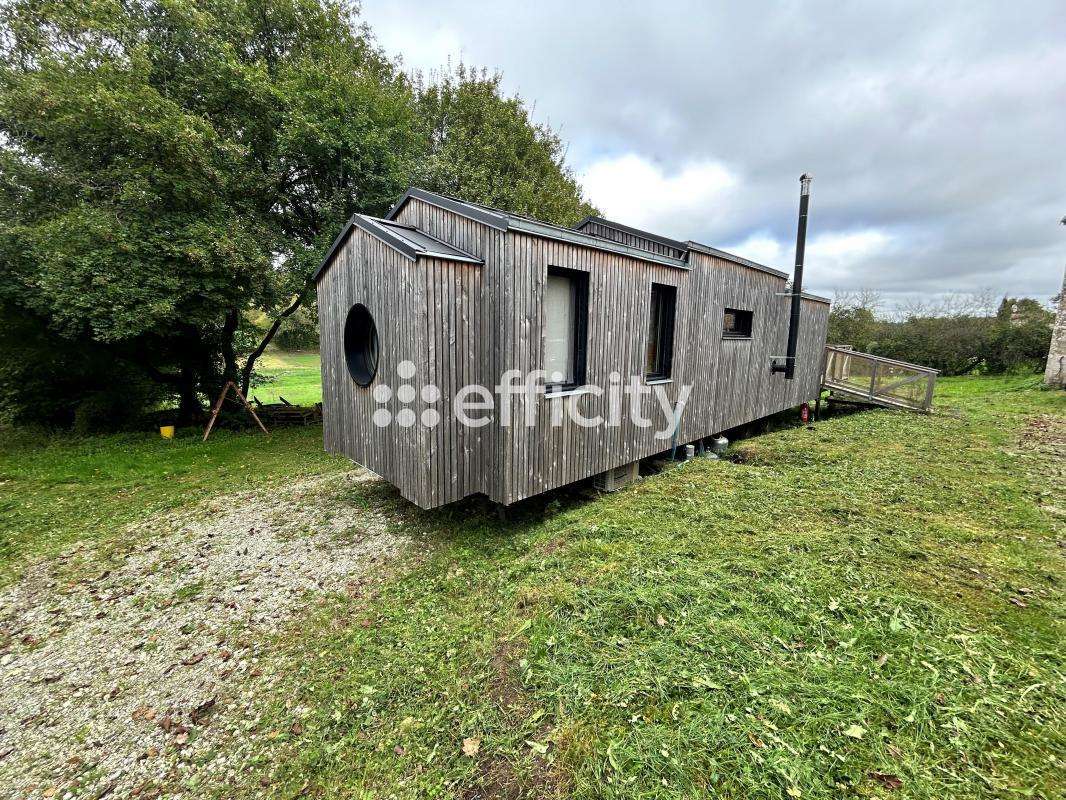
[{"x": 462, "y": 324}]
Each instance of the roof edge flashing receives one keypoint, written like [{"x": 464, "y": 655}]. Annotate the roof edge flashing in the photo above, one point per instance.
[
  {"x": 744, "y": 262},
  {"x": 497, "y": 221},
  {"x": 637, "y": 232},
  {"x": 582, "y": 239},
  {"x": 380, "y": 231}
]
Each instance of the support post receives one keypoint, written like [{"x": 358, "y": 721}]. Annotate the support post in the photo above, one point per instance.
[{"x": 929, "y": 386}]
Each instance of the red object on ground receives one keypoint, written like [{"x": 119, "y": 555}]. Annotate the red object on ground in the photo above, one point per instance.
[{"x": 805, "y": 413}]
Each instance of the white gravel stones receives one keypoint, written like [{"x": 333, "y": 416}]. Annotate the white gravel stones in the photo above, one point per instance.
[{"x": 129, "y": 681}]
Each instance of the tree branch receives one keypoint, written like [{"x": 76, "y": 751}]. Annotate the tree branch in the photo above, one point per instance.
[{"x": 246, "y": 374}]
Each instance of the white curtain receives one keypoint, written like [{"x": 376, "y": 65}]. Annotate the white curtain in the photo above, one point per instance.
[{"x": 559, "y": 329}]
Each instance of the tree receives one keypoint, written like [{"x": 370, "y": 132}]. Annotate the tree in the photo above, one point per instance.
[
  {"x": 171, "y": 168},
  {"x": 483, "y": 147},
  {"x": 954, "y": 345},
  {"x": 852, "y": 320},
  {"x": 167, "y": 166}
]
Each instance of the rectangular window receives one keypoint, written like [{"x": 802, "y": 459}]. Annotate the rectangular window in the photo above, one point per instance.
[
  {"x": 659, "y": 353},
  {"x": 566, "y": 303},
  {"x": 736, "y": 324}
]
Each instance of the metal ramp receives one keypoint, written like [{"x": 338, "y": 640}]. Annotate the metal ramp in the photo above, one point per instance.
[{"x": 864, "y": 378}]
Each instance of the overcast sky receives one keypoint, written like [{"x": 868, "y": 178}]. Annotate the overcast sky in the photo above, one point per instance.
[{"x": 936, "y": 132}]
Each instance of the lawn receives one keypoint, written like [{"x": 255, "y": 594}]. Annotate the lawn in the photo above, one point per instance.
[
  {"x": 295, "y": 376},
  {"x": 868, "y": 609},
  {"x": 56, "y": 488},
  {"x": 872, "y": 608}
]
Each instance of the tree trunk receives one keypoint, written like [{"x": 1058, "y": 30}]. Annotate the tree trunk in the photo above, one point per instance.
[
  {"x": 249, "y": 365},
  {"x": 229, "y": 357},
  {"x": 190, "y": 410}
]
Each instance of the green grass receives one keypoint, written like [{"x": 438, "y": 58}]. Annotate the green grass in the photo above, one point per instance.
[
  {"x": 831, "y": 617},
  {"x": 295, "y": 376},
  {"x": 870, "y": 609},
  {"x": 56, "y": 489}
]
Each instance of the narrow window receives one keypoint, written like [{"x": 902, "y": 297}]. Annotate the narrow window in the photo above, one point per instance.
[
  {"x": 736, "y": 324},
  {"x": 659, "y": 354},
  {"x": 565, "y": 326}
]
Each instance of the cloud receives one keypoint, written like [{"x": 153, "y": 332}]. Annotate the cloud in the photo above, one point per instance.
[
  {"x": 633, "y": 190},
  {"x": 830, "y": 259},
  {"x": 934, "y": 132}
]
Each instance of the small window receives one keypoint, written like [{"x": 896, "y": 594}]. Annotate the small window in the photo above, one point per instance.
[
  {"x": 736, "y": 324},
  {"x": 659, "y": 353},
  {"x": 566, "y": 304},
  {"x": 361, "y": 345}
]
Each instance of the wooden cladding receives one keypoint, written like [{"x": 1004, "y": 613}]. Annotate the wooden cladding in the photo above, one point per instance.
[{"x": 463, "y": 323}]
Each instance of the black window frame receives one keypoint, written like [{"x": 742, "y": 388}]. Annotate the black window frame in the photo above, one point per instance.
[
  {"x": 739, "y": 331},
  {"x": 362, "y": 345},
  {"x": 580, "y": 282},
  {"x": 663, "y": 301}
]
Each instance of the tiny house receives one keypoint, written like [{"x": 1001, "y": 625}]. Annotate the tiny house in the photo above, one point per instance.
[{"x": 468, "y": 350}]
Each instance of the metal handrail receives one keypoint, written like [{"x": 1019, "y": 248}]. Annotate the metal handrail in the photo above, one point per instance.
[
  {"x": 883, "y": 359},
  {"x": 837, "y": 376}
]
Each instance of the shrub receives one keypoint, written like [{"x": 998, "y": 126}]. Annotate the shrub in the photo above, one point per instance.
[
  {"x": 950, "y": 340},
  {"x": 48, "y": 380}
]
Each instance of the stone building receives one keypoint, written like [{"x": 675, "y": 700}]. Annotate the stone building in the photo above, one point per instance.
[{"x": 1055, "y": 374}]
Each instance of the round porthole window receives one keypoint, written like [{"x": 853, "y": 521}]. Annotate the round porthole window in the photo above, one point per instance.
[{"x": 361, "y": 345}]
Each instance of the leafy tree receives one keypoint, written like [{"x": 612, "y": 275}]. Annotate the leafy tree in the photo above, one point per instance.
[
  {"x": 166, "y": 165},
  {"x": 954, "y": 345},
  {"x": 1022, "y": 310},
  {"x": 170, "y": 169},
  {"x": 483, "y": 147},
  {"x": 854, "y": 325},
  {"x": 954, "y": 336}
]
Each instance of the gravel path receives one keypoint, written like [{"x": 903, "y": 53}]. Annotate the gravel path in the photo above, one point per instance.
[{"x": 132, "y": 682}]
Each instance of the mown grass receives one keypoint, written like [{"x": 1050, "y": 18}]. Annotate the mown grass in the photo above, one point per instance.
[
  {"x": 294, "y": 376},
  {"x": 56, "y": 489},
  {"x": 871, "y": 608}
]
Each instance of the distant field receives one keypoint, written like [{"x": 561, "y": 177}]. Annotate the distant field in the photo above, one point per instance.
[{"x": 294, "y": 376}]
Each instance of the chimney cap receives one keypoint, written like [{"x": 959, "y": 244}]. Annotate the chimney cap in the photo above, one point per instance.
[{"x": 805, "y": 183}]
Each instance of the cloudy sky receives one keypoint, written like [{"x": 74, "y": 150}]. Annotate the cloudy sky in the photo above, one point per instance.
[{"x": 936, "y": 132}]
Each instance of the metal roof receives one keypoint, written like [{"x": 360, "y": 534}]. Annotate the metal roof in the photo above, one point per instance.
[
  {"x": 505, "y": 220},
  {"x": 410, "y": 241},
  {"x": 618, "y": 226}
]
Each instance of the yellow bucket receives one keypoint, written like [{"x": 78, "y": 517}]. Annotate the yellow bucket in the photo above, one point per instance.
[{"x": 166, "y": 431}]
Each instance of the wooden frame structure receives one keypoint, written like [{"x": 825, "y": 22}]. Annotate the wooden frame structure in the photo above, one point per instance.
[
  {"x": 458, "y": 290},
  {"x": 218, "y": 408}
]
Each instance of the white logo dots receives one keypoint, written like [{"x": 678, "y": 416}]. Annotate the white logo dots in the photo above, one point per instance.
[{"x": 405, "y": 394}]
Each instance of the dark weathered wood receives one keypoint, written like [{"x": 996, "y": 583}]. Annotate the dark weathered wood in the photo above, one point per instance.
[{"x": 463, "y": 323}]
